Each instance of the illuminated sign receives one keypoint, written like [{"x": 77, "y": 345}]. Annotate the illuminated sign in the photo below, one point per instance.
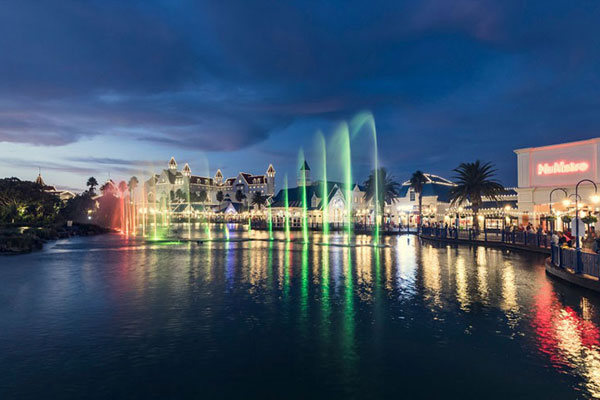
[{"x": 562, "y": 167}]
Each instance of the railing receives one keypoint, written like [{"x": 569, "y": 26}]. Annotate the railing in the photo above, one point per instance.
[
  {"x": 531, "y": 239},
  {"x": 567, "y": 258}
]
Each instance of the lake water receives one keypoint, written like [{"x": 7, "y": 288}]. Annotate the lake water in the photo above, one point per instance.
[{"x": 107, "y": 317}]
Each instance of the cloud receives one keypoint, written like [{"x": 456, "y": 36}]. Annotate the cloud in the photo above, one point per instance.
[{"x": 445, "y": 80}]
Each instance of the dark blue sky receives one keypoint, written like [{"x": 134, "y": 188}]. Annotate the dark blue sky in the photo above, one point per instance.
[{"x": 100, "y": 86}]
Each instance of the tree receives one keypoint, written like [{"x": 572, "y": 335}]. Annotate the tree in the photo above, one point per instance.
[
  {"x": 259, "y": 200},
  {"x": 202, "y": 196},
  {"x": 92, "y": 183},
  {"x": 383, "y": 184},
  {"x": 219, "y": 196},
  {"x": 417, "y": 181},
  {"x": 133, "y": 184},
  {"x": 239, "y": 195},
  {"x": 179, "y": 194},
  {"x": 473, "y": 181},
  {"x": 25, "y": 201}
]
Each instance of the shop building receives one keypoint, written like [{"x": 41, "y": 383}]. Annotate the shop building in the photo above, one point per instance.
[{"x": 546, "y": 173}]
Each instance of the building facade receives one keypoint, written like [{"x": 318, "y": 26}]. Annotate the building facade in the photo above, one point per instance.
[
  {"x": 173, "y": 184},
  {"x": 557, "y": 169},
  {"x": 327, "y": 201}
]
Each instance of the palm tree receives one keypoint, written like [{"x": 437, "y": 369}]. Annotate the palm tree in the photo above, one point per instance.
[
  {"x": 259, "y": 200},
  {"x": 384, "y": 184},
  {"x": 239, "y": 195},
  {"x": 473, "y": 181},
  {"x": 417, "y": 181},
  {"x": 133, "y": 183},
  {"x": 92, "y": 183}
]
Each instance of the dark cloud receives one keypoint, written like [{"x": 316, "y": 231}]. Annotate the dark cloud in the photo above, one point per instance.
[{"x": 447, "y": 81}]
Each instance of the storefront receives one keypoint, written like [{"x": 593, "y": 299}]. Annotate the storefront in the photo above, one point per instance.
[{"x": 547, "y": 177}]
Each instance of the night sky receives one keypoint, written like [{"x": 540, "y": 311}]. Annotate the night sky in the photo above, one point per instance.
[{"x": 88, "y": 88}]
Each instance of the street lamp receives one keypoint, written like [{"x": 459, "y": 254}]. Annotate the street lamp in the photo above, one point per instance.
[
  {"x": 595, "y": 199},
  {"x": 550, "y": 201}
]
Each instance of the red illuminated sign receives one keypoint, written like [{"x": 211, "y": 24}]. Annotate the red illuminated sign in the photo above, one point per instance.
[{"x": 562, "y": 167}]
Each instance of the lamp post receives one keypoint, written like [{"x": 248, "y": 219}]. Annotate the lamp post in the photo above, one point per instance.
[
  {"x": 595, "y": 199},
  {"x": 550, "y": 202}
]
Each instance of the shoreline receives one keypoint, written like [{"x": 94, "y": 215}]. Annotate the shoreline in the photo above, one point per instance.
[{"x": 24, "y": 240}]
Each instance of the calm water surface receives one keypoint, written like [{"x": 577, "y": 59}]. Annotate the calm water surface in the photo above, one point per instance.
[{"x": 107, "y": 317}]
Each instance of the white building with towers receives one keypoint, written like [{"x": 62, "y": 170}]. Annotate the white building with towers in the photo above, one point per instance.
[{"x": 171, "y": 184}]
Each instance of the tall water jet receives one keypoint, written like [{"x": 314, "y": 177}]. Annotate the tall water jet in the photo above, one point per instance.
[
  {"x": 287, "y": 209},
  {"x": 303, "y": 182},
  {"x": 189, "y": 208},
  {"x": 366, "y": 119},
  {"x": 270, "y": 222},
  {"x": 324, "y": 190},
  {"x": 346, "y": 163},
  {"x": 154, "y": 215},
  {"x": 144, "y": 210}
]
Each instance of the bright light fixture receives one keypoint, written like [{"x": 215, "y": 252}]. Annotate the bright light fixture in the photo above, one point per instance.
[
  {"x": 595, "y": 199},
  {"x": 566, "y": 202}
]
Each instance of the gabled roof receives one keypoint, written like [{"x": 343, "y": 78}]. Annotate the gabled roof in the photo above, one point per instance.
[
  {"x": 434, "y": 186},
  {"x": 317, "y": 188},
  {"x": 430, "y": 189},
  {"x": 430, "y": 178},
  {"x": 270, "y": 170},
  {"x": 305, "y": 166},
  {"x": 171, "y": 175},
  {"x": 200, "y": 180}
]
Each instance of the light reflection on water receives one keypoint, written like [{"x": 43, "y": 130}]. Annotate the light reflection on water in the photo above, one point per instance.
[{"x": 259, "y": 317}]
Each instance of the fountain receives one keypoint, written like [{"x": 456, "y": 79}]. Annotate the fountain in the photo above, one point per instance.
[
  {"x": 361, "y": 120},
  {"x": 324, "y": 190},
  {"x": 270, "y": 223},
  {"x": 343, "y": 136},
  {"x": 303, "y": 182},
  {"x": 287, "y": 209}
]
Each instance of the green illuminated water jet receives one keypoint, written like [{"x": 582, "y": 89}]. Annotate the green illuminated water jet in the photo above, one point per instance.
[
  {"x": 287, "y": 209},
  {"x": 270, "y": 223},
  {"x": 302, "y": 162},
  {"x": 346, "y": 160},
  {"x": 361, "y": 120},
  {"x": 324, "y": 193}
]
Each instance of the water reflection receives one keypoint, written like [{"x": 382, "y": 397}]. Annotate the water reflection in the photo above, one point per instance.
[
  {"x": 360, "y": 311},
  {"x": 570, "y": 341}
]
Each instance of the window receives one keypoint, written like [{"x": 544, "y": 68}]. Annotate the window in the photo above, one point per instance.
[{"x": 412, "y": 195}]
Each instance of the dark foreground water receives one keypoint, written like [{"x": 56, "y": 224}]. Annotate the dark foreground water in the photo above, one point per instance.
[{"x": 107, "y": 318}]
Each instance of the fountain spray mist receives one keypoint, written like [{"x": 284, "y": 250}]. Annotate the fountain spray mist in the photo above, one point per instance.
[
  {"x": 287, "y": 211},
  {"x": 344, "y": 135},
  {"x": 302, "y": 161},
  {"x": 270, "y": 222},
  {"x": 366, "y": 119},
  {"x": 324, "y": 192}
]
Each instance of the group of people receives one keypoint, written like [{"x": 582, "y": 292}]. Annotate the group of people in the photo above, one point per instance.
[{"x": 590, "y": 241}]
